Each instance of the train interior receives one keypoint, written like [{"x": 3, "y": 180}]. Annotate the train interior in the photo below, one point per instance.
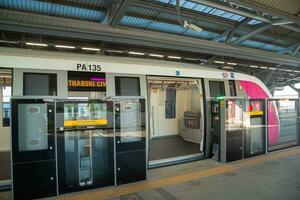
[
  {"x": 5, "y": 93},
  {"x": 176, "y": 119}
]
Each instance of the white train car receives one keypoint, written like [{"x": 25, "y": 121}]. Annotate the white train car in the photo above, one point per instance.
[{"x": 110, "y": 118}]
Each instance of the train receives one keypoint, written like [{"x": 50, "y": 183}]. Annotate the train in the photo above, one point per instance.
[
  {"x": 129, "y": 113},
  {"x": 244, "y": 86}
]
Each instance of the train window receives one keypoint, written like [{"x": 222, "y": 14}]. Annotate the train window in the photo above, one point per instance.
[
  {"x": 232, "y": 88},
  {"x": 6, "y": 94},
  {"x": 127, "y": 86},
  {"x": 38, "y": 84},
  {"x": 216, "y": 88},
  {"x": 170, "y": 103}
]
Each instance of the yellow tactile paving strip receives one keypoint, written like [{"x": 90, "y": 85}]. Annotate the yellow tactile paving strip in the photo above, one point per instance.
[{"x": 153, "y": 184}]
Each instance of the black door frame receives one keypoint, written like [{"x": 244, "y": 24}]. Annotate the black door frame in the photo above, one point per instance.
[
  {"x": 60, "y": 143},
  {"x": 132, "y": 149},
  {"x": 33, "y": 162}
]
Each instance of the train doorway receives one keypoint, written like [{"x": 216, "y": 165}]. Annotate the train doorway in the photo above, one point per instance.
[
  {"x": 5, "y": 126},
  {"x": 175, "y": 120}
]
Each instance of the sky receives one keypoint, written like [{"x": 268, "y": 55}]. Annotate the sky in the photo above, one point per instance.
[{"x": 288, "y": 92}]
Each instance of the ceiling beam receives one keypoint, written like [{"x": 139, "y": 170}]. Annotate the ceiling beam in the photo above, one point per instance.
[
  {"x": 198, "y": 16},
  {"x": 163, "y": 20},
  {"x": 293, "y": 49},
  {"x": 233, "y": 29},
  {"x": 77, "y": 4},
  {"x": 261, "y": 29},
  {"x": 62, "y": 27},
  {"x": 229, "y": 37},
  {"x": 269, "y": 9},
  {"x": 296, "y": 50},
  {"x": 267, "y": 78},
  {"x": 229, "y": 33},
  {"x": 290, "y": 48},
  {"x": 291, "y": 27},
  {"x": 118, "y": 10},
  {"x": 254, "y": 5},
  {"x": 216, "y": 4},
  {"x": 184, "y": 12},
  {"x": 294, "y": 88}
]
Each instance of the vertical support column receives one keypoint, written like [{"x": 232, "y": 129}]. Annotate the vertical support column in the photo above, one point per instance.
[
  {"x": 266, "y": 125},
  {"x": 208, "y": 129},
  {"x": 115, "y": 153},
  {"x": 298, "y": 118},
  {"x": 243, "y": 127},
  {"x": 222, "y": 121},
  {"x": 55, "y": 144}
]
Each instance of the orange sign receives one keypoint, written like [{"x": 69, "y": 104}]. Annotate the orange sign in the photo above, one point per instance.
[{"x": 96, "y": 122}]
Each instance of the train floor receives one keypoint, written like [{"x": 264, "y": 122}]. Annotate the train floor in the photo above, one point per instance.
[
  {"x": 272, "y": 176},
  {"x": 4, "y": 165},
  {"x": 171, "y": 146}
]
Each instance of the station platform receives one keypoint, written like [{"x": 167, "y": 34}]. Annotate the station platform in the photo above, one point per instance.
[{"x": 272, "y": 176}]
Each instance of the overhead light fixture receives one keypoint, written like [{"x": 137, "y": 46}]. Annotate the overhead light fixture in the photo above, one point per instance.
[
  {"x": 288, "y": 70},
  {"x": 136, "y": 53},
  {"x": 282, "y": 23},
  {"x": 297, "y": 71},
  {"x": 231, "y": 63},
  {"x": 192, "y": 59},
  {"x": 156, "y": 55},
  {"x": 174, "y": 57},
  {"x": 192, "y": 26},
  {"x": 281, "y": 69},
  {"x": 114, "y": 51},
  {"x": 272, "y": 68},
  {"x": 64, "y": 46},
  {"x": 8, "y": 41},
  {"x": 262, "y": 67},
  {"x": 228, "y": 67},
  {"x": 90, "y": 49},
  {"x": 253, "y": 66},
  {"x": 36, "y": 44},
  {"x": 219, "y": 62}
]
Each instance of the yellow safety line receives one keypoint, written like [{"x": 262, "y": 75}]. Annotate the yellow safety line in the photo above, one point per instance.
[{"x": 127, "y": 189}]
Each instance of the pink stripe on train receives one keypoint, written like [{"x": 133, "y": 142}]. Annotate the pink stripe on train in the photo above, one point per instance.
[{"x": 254, "y": 91}]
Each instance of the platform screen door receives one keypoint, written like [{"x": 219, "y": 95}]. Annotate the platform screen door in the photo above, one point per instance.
[{"x": 130, "y": 140}]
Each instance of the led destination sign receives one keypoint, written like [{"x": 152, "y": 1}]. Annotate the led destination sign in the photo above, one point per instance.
[{"x": 82, "y": 81}]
